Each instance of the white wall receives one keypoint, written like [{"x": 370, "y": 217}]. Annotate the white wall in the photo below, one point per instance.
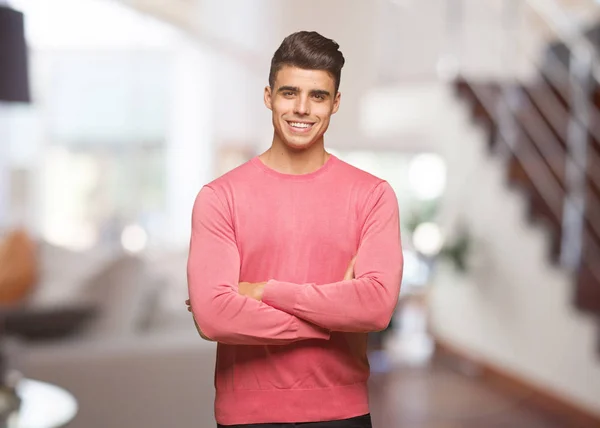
[
  {"x": 513, "y": 309},
  {"x": 19, "y": 154},
  {"x": 190, "y": 141}
]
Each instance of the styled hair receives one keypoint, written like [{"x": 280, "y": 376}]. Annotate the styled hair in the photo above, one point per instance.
[{"x": 310, "y": 51}]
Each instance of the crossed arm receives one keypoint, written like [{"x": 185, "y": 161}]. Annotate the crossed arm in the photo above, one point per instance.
[
  {"x": 220, "y": 311},
  {"x": 275, "y": 312},
  {"x": 255, "y": 291}
]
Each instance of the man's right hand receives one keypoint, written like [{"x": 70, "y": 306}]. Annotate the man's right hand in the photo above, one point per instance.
[{"x": 349, "y": 275}]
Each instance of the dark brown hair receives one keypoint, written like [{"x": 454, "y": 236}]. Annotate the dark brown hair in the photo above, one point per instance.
[{"x": 310, "y": 51}]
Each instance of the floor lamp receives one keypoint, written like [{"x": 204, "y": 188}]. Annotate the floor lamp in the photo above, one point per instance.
[
  {"x": 14, "y": 88},
  {"x": 14, "y": 84}
]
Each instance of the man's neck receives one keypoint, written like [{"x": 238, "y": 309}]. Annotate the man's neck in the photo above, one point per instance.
[{"x": 282, "y": 159}]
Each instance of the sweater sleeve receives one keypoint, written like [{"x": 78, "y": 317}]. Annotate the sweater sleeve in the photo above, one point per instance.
[
  {"x": 213, "y": 276},
  {"x": 366, "y": 303}
]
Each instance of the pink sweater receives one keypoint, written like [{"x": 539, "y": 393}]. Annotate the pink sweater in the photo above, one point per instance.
[{"x": 300, "y": 354}]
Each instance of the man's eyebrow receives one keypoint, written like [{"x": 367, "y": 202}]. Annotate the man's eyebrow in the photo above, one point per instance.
[
  {"x": 320, "y": 92},
  {"x": 288, "y": 88}
]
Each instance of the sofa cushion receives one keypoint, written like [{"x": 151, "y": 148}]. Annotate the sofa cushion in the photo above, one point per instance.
[
  {"x": 63, "y": 274},
  {"x": 126, "y": 291}
]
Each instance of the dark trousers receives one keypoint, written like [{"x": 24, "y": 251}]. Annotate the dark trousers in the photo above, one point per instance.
[{"x": 358, "y": 422}]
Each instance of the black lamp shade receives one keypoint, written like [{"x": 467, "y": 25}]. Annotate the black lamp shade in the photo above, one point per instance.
[{"x": 14, "y": 76}]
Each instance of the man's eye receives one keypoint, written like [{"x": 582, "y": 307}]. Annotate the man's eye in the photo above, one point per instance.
[
  {"x": 288, "y": 94},
  {"x": 320, "y": 97}
]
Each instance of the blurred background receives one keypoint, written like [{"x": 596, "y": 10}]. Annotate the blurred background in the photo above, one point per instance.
[{"x": 482, "y": 114}]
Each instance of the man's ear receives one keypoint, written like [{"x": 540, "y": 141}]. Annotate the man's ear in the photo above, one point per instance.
[
  {"x": 268, "y": 98},
  {"x": 336, "y": 102}
]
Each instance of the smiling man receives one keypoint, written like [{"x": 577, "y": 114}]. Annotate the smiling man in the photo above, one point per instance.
[{"x": 294, "y": 257}]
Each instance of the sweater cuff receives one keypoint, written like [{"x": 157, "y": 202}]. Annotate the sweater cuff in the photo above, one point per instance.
[
  {"x": 281, "y": 295},
  {"x": 304, "y": 329}
]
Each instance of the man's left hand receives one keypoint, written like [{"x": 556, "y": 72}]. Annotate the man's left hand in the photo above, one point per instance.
[{"x": 254, "y": 290}]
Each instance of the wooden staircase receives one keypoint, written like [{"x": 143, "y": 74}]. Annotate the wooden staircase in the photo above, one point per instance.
[{"x": 537, "y": 151}]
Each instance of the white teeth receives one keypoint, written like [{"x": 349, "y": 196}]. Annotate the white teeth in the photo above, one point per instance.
[{"x": 300, "y": 125}]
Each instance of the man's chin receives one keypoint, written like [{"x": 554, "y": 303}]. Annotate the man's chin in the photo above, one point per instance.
[
  {"x": 294, "y": 141},
  {"x": 299, "y": 145}
]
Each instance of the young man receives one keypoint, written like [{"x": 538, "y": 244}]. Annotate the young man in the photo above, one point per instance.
[{"x": 270, "y": 243}]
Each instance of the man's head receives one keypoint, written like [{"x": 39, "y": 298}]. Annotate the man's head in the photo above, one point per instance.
[{"x": 303, "y": 89}]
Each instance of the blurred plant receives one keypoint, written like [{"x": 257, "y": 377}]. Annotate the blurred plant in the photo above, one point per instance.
[
  {"x": 457, "y": 251},
  {"x": 424, "y": 213}
]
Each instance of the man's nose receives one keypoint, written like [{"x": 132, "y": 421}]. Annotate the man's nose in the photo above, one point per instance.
[{"x": 302, "y": 106}]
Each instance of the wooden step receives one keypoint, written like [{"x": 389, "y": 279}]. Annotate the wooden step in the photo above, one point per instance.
[
  {"x": 547, "y": 158},
  {"x": 543, "y": 140},
  {"x": 556, "y": 120},
  {"x": 554, "y": 116},
  {"x": 539, "y": 209},
  {"x": 587, "y": 289},
  {"x": 482, "y": 98}
]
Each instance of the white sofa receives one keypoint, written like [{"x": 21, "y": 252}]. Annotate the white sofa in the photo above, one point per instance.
[{"x": 141, "y": 363}]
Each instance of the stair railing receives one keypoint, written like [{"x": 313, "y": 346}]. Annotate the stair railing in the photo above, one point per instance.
[{"x": 577, "y": 207}]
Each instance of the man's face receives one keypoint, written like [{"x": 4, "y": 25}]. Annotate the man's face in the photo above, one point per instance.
[{"x": 302, "y": 101}]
